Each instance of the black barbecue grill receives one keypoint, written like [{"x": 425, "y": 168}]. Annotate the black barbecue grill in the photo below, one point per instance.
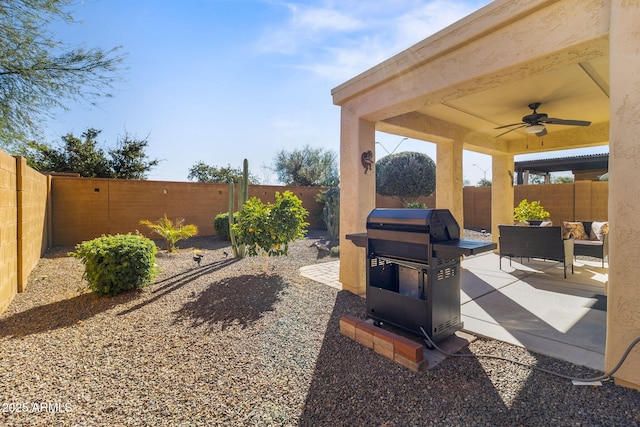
[{"x": 413, "y": 269}]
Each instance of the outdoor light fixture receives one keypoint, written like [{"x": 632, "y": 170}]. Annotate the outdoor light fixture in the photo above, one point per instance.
[{"x": 534, "y": 128}]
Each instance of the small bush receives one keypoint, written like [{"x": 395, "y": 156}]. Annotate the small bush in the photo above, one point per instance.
[
  {"x": 221, "y": 225},
  {"x": 114, "y": 264},
  {"x": 529, "y": 210},
  {"x": 335, "y": 251},
  {"x": 416, "y": 205},
  {"x": 171, "y": 231},
  {"x": 269, "y": 228}
]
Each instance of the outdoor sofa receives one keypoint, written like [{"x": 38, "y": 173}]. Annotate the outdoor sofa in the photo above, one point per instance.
[{"x": 536, "y": 242}]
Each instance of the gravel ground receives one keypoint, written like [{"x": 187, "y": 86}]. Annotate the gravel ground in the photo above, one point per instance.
[{"x": 228, "y": 344}]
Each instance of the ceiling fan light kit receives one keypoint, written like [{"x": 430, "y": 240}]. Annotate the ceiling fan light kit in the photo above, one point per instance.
[{"x": 534, "y": 128}]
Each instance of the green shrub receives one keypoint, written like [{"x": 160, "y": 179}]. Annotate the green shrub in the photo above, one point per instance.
[
  {"x": 335, "y": 251},
  {"x": 221, "y": 225},
  {"x": 171, "y": 231},
  {"x": 114, "y": 264},
  {"x": 271, "y": 227},
  {"x": 407, "y": 175},
  {"x": 529, "y": 210},
  {"x": 416, "y": 205}
]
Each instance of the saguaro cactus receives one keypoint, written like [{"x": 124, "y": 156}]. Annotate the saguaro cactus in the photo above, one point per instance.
[{"x": 243, "y": 196}]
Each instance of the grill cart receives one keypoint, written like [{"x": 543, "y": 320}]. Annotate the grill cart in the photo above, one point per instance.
[{"x": 413, "y": 269}]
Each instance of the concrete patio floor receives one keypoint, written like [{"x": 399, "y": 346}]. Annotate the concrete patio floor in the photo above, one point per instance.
[{"x": 528, "y": 303}]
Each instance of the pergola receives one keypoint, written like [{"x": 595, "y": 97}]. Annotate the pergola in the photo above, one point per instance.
[
  {"x": 592, "y": 165},
  {"x": 579, "y": 58}
]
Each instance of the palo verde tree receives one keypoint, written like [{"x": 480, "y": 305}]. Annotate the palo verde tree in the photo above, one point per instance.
[
  {"x": 39, "y": 73},
  {"x": 307, "y": 167},
  {"x": 407, "y": 175},
  {"x": 85, "y": 157}
]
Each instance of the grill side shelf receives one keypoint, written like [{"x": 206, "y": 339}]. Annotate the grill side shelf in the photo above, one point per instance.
[
  {"x": 358, "y": 239},
  {"x": 466, "y": 247}
]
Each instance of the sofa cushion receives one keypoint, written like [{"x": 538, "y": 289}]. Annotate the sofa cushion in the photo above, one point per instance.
[
  {"x": 575, "y": 229},
  {"x": 598, "y": 230}
]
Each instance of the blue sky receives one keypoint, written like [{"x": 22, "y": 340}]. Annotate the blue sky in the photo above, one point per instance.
[{"x": 223, "y": 80}]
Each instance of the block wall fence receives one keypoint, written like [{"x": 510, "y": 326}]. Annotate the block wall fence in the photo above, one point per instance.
[
  {"x": 23, "y": 224},
  {"x": 86, "y": 208},
  {"x": 578, "y": 201},
  {"x": 40, "y": 211}
]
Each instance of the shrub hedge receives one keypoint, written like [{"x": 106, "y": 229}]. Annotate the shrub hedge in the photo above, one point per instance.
[
  {"x": 114, "y": 264},
  {"x": 221, "y": 225}
]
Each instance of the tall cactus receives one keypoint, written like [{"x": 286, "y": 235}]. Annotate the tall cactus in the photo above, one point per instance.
[
  {"x": 331, "y": 211},
  {"x": 232, "y": 233},
  {"x": 243, "y": 196}
]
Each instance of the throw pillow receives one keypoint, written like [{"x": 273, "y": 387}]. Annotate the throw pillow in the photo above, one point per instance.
[
  {"x": 598, "y": 230},
  {"x": 575, "y": 229}
]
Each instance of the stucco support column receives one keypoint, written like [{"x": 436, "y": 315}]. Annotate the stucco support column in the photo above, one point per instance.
[
  {"x": 449, "y": 188},
  {"x": 623, "y": 295},
  {"x": 501, "y": 192},
  {"x": 357, "y": 196}
]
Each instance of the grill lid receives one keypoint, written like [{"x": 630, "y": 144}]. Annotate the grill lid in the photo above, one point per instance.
[{"x": 439, "y": 223}]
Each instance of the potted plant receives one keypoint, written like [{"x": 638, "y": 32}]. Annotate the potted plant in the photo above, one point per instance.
[{"x": 531, "y": 212}]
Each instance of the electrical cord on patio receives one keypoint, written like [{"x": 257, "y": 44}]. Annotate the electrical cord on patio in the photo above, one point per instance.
[{"x": 605, "y": 377}]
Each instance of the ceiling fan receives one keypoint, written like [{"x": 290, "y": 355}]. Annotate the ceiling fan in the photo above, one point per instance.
[{"x": 534, "y": 123}]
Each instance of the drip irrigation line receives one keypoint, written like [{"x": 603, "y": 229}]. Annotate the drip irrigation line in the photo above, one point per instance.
[{"x": 604, "y": 377}]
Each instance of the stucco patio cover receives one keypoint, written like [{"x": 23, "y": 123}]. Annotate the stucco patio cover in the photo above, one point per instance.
[{"x": 579, "y": 58}]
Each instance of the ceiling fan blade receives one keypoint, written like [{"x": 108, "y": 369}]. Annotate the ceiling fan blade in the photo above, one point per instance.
[
  {"x": 508, "y": 126},
  {"x": 543, "y": 132},
  {"x": 511, "y": 130},
  {"x": 554, "y": 121}
]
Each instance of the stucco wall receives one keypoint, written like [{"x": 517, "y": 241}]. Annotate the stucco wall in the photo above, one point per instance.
[{"x": 85, "y": 208}]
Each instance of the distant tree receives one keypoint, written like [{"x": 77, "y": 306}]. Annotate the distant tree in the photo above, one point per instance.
[
  {"x": 76, "y": 155},
  {"x": 307, "y": 167},
  {"x": 202, "y": 172},
  {"x": 129, "y": 160},
  {"x": 536, "y": 179},
  {"x": 484, "y": 183},
  {"x": 39, "y": 73},
  {"x": 85, "y": 157},
  {"x": 562, "y": 180},
  {"x": 407, "y": 175}
]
